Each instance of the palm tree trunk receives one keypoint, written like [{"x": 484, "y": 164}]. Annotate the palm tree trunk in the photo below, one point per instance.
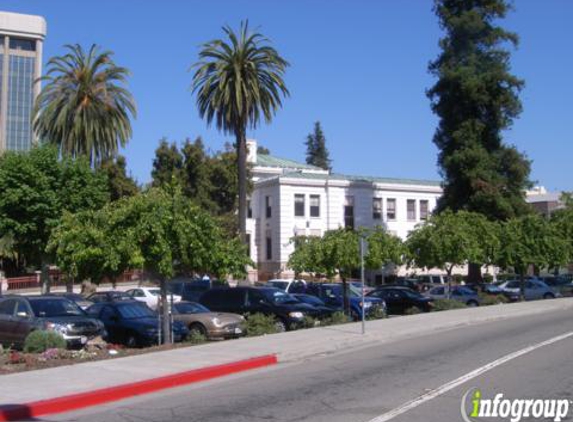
[{"x": 242, "y": 167}]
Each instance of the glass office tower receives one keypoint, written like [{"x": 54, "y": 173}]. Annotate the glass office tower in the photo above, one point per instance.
[{"x": 21, "y": 42}]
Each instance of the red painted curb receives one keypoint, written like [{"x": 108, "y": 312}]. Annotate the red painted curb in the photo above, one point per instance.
[{"x": 106, "y": 395}]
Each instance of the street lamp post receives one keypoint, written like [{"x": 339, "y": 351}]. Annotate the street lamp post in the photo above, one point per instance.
[{"x": 362, "y": 282}]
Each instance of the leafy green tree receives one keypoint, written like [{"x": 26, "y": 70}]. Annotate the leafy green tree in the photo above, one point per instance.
[
  {"x": 263, "y": 150},
  {"x": 531, "y": 240},
  {"x": 161, "y": 231},
  {"x": 37, "y": 188},
  {"x": 307, "y": 255},
  {"x": 167, "y": 164},
  {"x": 237, "y": 82},
  {"x": 451, "y": 239},
  {"x": 119, "y": 183},
  {"x": 476, "y": 100},
  {"x": 84, "y": 107},
  {"x": 383, "y": 249},
  {"x": 316, "y": 151}
]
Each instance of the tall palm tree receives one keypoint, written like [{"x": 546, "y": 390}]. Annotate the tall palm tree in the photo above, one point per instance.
[
  {"x": 237, "y": 82},
  {"x": 84, "y": 108}
]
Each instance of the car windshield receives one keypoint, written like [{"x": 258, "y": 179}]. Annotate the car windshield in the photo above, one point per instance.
[
  {"x": 190, "y": 308},
  {"x": 411, "y": 294},
  {"x": 134, "y": 311},
  {"x": 154, "y": 292},
  {"x": 493, "y": 289},
  {"x": 277, "y": 296},
  {"x": 55, "y": 308},
  {"x": 335, "y": 290},
  {"x": 279, "y": 284}
]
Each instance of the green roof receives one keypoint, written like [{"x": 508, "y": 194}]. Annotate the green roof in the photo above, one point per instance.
[
  {"x": 370, "y": 179},
  {"x": 265, "y": 160}
]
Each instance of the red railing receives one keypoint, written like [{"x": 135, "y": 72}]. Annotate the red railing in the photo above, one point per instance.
[{"x": 32, "y": 281}]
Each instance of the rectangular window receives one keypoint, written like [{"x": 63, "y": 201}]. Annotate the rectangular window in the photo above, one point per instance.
[
  {"x": 377, "y": 208},
  {"x": 391, "y": 209},
  {"x": 268, "y": 207},
  {"x": 22, "y": 44},
  {"x": 249, "y": 209},
  {"x": 269, "y": 246},
  {"x": 315, "y": 205},
  {"x": 298, "y": 205},
  {"x": 248, "y": 239},
  {"x": 349, "y": 212},
  {"x": 411, "y": 209},
  {"x": 424, "y": 210}
]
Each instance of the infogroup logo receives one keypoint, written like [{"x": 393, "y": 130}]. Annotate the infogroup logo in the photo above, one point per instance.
[{"x": 475, "y": 408}]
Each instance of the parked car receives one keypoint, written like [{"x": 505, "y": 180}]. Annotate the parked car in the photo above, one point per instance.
[
  {"x": 109, "y": 296},
  {"x": 332, "y": 295},
  {"x": 494, "y": 290},
  {"x": 534, "y": 289},
  {"x": 411, "y": 283},
  {"x": 150, "y": 296},
  {"x": 133, "y": 323},
  {"x": 287, "y": 310},
  {"x": 288, "y": 285},
  {"x": 325, "y": 310},
  {"x": 212, "y": 325},
  {"x": 20, "y": 315},
  {"x": 367, "y": 288},
  {"x": 191, "y": 289},
  {"x": 460, "y": 293},
  {"x": 77, "y": 298},
  {"x": 431, "y": 279},
  {"x": 398, "y": 299}
]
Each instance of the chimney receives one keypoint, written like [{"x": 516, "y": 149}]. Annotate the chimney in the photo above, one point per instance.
[{"x": 252, "y": 151}]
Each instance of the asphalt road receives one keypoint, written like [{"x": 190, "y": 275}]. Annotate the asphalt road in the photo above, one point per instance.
[{"x": 363, "y": 385}]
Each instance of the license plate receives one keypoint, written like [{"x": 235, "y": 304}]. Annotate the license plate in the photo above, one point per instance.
[
  {"x": 83, "y": 339},
  {"x": 238, "y": 331}
]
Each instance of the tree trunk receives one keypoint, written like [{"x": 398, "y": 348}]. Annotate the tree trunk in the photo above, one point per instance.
[
  {"x": 522, "y": 285},
  {"x": 241, "y": 138},
  {"x": 474, "y": 274},
  {"x": 166, "y": 323},
  {"x": 45, "y": 275},
  {"x": 449, "y": 282},
  {"x": 69, "y": 284},
  {"x": 345, "y": 301}
]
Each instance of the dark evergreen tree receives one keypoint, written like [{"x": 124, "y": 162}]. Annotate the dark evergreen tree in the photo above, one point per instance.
[
  {"x": 167, "y": 164},
  {"x": 196, "y": 172},
  {"x": 316, "y": 151},
  {"x": 263, "y": 150},
  {"x": 120, "y": 184},
  {"x": 476, "y": 100}
]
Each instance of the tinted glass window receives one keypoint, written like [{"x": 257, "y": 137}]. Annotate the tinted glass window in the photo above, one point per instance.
[
  {"x": 276, "y": 296},
  {"x": 107, "y": 313},
  {"x": 22, "y": 308},
  {"x": 94, "y": 309},
  {"x": 7, "y": 307},
  {"x": 190, "y": 308},
  {"x": 22, "y": 44},
  {"x": 513, "y": 284},
  {"x": 310, "y": 299},
  {"x": 135, "y": 311},
  {"x": 55, "y": 307}
]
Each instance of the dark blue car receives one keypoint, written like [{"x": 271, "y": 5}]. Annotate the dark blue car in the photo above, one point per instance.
[
  {"x": 331, "y": 295},
  {"x": 133, "y": 323}
]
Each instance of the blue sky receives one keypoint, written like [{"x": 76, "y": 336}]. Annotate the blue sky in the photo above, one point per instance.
[{"x": 357, "y": 66}]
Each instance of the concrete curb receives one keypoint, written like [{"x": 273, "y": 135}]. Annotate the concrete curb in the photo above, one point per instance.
[{"x": 13, "y": 412}]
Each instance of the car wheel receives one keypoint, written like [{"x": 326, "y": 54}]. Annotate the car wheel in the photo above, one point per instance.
[
  {"x": 280, "y": 326},
  {"x": 548, "y": 296},
  {"x": 131, "y": 340},
  {"x": 472, "y": 304},
  {"x": 197, "y": 329}
]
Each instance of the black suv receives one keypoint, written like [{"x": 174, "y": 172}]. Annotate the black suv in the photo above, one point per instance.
[
  {"x": 20, "y": 315},
  {"x": 191, "y": 289},
  {"x": 288, "y": 311}
]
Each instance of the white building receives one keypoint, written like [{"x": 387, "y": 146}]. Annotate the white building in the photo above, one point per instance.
[{"x": 291, "y": 198}]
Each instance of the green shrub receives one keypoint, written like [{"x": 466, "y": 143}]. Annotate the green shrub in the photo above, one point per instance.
[
  {"x": 487, "y": 300},
  {"x": 260, "y": 324},
  {"x": 39, "y": 341},
  {"x": 414, "y": 310},
  {"x": 195, "y": 337},
  {"x": 309, "y": 322},
  {"x": 447, "y": 304},
  {"x": 337, "y": 318},
  {"x": 487, "y": 278},
  {"x": 376, "y": 313}
]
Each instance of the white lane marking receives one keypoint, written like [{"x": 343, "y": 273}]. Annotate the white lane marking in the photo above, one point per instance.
[{"x": 432, "y": 394}]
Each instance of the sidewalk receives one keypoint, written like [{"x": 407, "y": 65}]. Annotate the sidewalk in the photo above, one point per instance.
[{"x": 51, "y": 383}]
